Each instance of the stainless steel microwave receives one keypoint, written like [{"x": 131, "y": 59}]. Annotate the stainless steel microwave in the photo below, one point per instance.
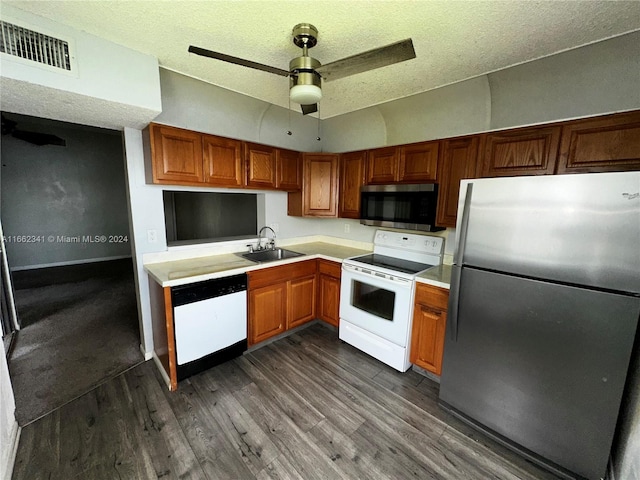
[{"x": 409, "y": 207}]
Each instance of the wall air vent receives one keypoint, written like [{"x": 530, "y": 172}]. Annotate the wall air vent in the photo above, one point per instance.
[{"x": 37, "y": 47}]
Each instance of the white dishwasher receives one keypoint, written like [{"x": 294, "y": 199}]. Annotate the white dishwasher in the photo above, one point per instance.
[{"x": 210, "y": 323}]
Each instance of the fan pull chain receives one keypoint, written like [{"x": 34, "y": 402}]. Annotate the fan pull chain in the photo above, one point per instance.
[
  {"x": 318, "y": 137},
  {"x": 289, "y": 131}
]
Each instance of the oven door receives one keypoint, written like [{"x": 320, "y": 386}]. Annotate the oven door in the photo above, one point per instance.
[{"x": 379, "y": 305}]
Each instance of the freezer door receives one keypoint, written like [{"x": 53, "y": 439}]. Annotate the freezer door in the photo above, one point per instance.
[
  {"x": 579, "y": 229},
  {"x": 541, "y": 364}
]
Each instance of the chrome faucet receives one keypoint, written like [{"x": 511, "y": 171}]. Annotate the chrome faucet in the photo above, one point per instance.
[{"x": 271, "y": 244}]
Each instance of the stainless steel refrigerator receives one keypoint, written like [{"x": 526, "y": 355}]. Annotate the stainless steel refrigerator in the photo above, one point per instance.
[{"x": 543, "y": 313}]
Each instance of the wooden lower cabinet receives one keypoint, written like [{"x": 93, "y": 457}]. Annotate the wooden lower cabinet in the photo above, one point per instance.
[
  {"x": 329, "y": 292},
  {"x": 429, "y": 323},
  {"x": 280, "y": 298},
  {"x": 267, "y": 311},
  {"x": 302, "y": 301}
]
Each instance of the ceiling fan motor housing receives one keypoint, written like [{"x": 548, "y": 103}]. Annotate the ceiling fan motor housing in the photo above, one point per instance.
[
  {"x": 303, "y": 73},
  {"x": 305, "y": 35}
]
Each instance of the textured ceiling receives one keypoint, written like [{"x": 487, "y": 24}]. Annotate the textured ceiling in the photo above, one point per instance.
[{"x": 454, "y": 40}]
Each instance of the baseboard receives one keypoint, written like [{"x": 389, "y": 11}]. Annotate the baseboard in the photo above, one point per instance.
[
  {"x": 426, "y": 373},
  {"x": 147, "y": 355},
  {"x": 282, "y": 335},
  {"x": 163, "y": 372},
  {"x": 70, "y": 262},
  {"x": 7, "y": 470}
]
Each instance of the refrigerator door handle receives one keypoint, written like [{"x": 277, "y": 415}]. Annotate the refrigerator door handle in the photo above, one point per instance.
[
  {"x": 454, "y": 298},
  {"x": 461, "y": 239}
]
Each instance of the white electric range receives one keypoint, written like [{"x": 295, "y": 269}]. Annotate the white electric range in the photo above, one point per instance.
[{"x": 376, "y": 294}]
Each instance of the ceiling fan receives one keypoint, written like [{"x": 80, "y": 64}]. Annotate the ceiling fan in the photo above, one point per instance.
[
  {"x": 36, "y": 138},
  {"x": 305, "y": 73}
]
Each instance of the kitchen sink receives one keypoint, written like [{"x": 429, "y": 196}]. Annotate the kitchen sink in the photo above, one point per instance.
[{"x": 269, "y": 255}]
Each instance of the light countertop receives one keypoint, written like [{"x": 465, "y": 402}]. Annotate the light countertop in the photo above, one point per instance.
[
  {"x": 439, "y": 276},
  {"x": 180, "y": 272}
]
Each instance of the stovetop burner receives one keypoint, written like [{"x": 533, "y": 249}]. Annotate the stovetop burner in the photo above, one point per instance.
[{"x": 392, "y": 263}]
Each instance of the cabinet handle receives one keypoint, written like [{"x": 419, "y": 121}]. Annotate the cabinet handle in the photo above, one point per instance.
[{"x": 434, "y": 311}]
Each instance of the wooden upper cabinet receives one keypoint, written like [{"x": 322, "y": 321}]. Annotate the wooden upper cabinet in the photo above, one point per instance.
[
  {"x": 604, "y": 144},
  {"x": 525, "y": 151},
  {"x": 382, "y": 165},
  {"x": 413, "y": 163},
  {"x": 418, "y": 162},
  {"x": 458, "y": 160},
  {"x": 288, "y": 170},
  {"x": 223, "y": 165},
  {"x": 319, "y": 195},
  {"x": 261, "y": 165},
  {"x": 352, "y": 177},
  {"x": 176, "y": 155}
]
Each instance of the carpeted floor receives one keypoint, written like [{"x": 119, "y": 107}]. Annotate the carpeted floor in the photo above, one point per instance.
[{"x": 79, "y": 329}]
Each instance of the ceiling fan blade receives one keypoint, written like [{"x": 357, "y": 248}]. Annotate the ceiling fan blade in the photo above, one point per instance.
[
  {"x": 369, "y": 60},
  {"x": 238, "y": 61},
  {"x": 307, "y": 109},
  {"x": 39, "y": 138}
]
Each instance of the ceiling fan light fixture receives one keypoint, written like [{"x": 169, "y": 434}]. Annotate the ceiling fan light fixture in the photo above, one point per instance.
[
  {"x": 305, "y": 94},
  {"x": 305, "y": 83}
]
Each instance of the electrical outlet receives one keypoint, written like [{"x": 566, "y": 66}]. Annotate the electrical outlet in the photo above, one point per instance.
[
  {"x": 152, "y": 236},
  {"x": 347, "y": 228}
]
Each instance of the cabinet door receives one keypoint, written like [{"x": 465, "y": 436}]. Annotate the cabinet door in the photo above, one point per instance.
[
  {"x": 427, "y": 338},
  {"x": 606, "y": 144},
  {"x": 289, "y": 170},
  {"x": 302, "y": 301},
  {"x": 176, "y": 155},
  {"x": 267, "y": 312},
  {"x": 382, "y": 165},
  {"x": 418, "y": 162},
  {"x": 352, "y": 177},
  {"x": 329, "y": 299},
  {"x": 458, "y": 160},
  {"x": 527, "y": 151},
  {"x": 222, "y": 161},
  {"x": 261, "y": 165},
  {"x": 320, "y": 186},
  {"x": 427, "y": 332}
]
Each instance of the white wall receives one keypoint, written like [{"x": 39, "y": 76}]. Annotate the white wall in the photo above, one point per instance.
[
  {"x": 600, "y": 78},
  {"x": 202, "y": 107},
  {"x": 8, "y": 423},
  {"x": 111, "y": 85}
]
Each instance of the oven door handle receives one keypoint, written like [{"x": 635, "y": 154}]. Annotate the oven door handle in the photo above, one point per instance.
[{"x": 351, "y": 270}]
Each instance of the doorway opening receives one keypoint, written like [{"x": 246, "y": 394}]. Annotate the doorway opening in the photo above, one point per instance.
[{"x": 66, "y": 230}]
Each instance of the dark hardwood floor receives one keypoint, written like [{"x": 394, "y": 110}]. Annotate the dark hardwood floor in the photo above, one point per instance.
[{"x": 307, "y": 406}]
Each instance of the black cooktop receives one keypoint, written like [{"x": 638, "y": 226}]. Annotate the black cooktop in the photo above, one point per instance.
[{"x": 392, "y": 263}]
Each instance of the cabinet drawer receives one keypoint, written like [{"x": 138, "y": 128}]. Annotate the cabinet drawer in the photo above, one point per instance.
[
  {"x": 281, "y": 273},
  {"x": 435, "y": 297},
  {"x": 326, "y": 267}
]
